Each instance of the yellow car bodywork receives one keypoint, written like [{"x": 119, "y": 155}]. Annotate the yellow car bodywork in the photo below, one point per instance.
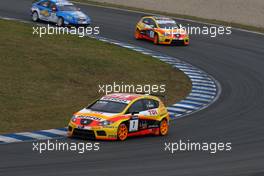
[
  {"x": 106, "y": 126},
  {"x": 149, "y": 28}
]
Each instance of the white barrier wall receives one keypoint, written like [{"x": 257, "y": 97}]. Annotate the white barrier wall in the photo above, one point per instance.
[{"x": 249, "y": 12}]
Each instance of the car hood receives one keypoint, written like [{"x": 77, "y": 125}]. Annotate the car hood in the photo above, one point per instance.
[{"x": 94, "y": 115}]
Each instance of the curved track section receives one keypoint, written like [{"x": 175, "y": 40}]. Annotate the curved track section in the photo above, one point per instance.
[
  {"x": 205, "y": 91},
  {"x": 237, "y": 117}
]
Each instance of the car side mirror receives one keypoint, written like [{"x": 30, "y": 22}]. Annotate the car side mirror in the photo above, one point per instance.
[
  {"x": 181, "y": 26},
  {"x": 134, "y": 113}
]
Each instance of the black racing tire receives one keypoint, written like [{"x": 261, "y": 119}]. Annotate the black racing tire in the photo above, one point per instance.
[
  {"x": 35, "y": 16},
  {"x": 60, "y": 22}
]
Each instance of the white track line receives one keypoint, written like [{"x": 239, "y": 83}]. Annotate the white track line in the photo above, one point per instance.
[
  {"x": 34, "y": 135},
  {"x": 8, "y": 139},
  {"x": 185, "y": 106},
  {"x": 176, "y": 109},
  {"x": 56, "y": 131}
]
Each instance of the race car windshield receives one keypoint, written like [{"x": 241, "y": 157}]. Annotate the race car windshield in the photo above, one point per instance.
[
  {"x": 68, "y": 8},
  {"x": 107, "y": 106},
  {"x": 168, "y": 25}
]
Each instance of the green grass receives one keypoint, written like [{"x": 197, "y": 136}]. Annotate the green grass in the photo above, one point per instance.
[
  {"x": 212, "y": 21},
  {"x": 44, "y": 80}
]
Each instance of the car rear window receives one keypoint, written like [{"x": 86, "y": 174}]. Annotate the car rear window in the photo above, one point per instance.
[{"x": 151, "y": 104}]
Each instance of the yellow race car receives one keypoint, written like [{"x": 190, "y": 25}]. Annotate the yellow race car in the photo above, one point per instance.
[
  {"x": 161, "y": 30},
  {"x": 118, "y": 116}
]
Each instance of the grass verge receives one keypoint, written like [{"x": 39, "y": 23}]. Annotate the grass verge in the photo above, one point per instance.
[
  {"x": 44, "y": 80},
  {"x": 212, "y": 21}
]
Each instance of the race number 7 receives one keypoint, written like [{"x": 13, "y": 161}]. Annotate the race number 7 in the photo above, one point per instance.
[
  {"x": 133, "y": 125},
  {"x": 151, "y": 34}
]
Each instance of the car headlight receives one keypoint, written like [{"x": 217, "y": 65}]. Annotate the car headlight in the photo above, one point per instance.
[
  {"x": 74, "y": 118},
  {"x": 105, "y": 123}
]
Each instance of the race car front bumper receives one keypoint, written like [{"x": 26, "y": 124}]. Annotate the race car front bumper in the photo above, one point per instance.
[
  {"x": 95, "y": 132},
  {"x": 77, "y": 22},
  {"x": 174, "y": 41}
]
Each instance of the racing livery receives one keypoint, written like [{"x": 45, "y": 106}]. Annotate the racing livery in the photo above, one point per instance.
[
  {"x": 60, "y": 12},
  {"x": 118, "y": 116},
  {"x": 161, "y": 30}
]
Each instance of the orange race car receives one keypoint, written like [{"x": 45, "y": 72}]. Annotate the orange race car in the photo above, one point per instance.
[
  {"x": 161, "y": 30},
  {"x": 118, "y": 116}
]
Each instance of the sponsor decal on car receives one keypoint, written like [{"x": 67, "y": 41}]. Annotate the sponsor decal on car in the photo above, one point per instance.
[
  {"x": 116, "y": 100},
  {"x": 165, "y": 21},
  {"x": 90, "y": 118}
]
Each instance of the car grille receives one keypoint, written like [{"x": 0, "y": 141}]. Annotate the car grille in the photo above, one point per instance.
[
  {"x": 101, "y": 133},
  {"x": 85, "y": 134},
  {"x": 176, "y": 42}
]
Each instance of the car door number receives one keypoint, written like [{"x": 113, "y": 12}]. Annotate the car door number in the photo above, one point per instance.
[
  {"x": 133, "y": 125},
  {"x": 151, "y": 34}
]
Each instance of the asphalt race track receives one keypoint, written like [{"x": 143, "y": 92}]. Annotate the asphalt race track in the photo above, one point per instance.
[{"x": 236, "y": 61}]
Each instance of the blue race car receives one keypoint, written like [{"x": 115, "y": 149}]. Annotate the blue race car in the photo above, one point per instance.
[{"x": 60, "y": 12}]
